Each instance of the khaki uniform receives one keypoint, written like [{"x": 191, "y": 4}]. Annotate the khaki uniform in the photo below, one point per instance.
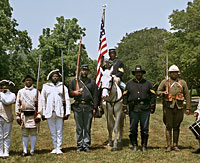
[
  {"x": 25, "y": 110},
  {"x": 26, "y": 98},
  {"x": 173, "y": 106}
]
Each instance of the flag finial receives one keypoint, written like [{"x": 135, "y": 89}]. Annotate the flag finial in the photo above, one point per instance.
[{"x": 104, "y": 6}]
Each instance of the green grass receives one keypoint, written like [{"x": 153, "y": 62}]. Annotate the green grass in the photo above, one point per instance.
[{"x": 100, "y": 152}]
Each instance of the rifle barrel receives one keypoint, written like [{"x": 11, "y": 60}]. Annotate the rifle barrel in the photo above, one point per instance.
[
  {"x": 37, "y": 93},
  {"x": 78, "y": 64},
  {"x": 63, "y": 85}
]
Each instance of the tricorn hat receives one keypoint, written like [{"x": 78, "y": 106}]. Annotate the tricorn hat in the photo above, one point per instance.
[
  {"x": 56, "y": 71},
  {"x": 85, "y": 67},
  {"x": 29, "y": 76},
  {"x": 7, "y": 82},
  {"x": 138, "y": 68}
]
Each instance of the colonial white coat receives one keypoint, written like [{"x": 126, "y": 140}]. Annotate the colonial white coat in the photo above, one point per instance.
[
  {"x": 52, "y": 99},
  {"x": 6, "y": 101}
]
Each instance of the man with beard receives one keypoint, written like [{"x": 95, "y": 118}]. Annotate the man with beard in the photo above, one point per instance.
[
  {"x": 84, "y": 107},
  {"x": 53, "y": 109},
  {"x": 7, "y": 98},
  {"x": 25, "y": 113},
  {"x": 173, "y": 105},
  {"x": 140, "y": 97}
]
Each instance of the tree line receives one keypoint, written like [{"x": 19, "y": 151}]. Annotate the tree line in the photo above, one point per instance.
[{"x": 147, "y": 47}]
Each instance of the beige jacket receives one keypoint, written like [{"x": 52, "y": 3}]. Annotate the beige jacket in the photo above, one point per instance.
[
  {"x": 26, "y": 98},
  {"x": 174, "y": 88},
  {"x": 6, "y": 101}
]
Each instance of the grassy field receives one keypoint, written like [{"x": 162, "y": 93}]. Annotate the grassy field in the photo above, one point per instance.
[{"x": 100, "y": 152}]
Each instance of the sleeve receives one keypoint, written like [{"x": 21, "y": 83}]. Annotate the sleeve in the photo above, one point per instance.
[
  {"x": 152, "y": 94},
  {"x": 7, "y": 99},
  {"x": 18, "y": 106},
  {"x": 161, "y": 88},
  {"x": 95, "y": 95},
  {"x": 67, "y": 100},
  {"x": 120, "y": 70},
  {"x": 39, "y": 106},
  {"x": 186, "y": 95},
  {"x": 125, "y": 96},
  {"x": 43, "y": 99},
  {"x": 198, "y": 109},
  {"x": 71, "y": 89}
]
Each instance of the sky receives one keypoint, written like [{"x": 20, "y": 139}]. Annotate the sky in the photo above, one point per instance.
[{"x": 122, "y": 16}]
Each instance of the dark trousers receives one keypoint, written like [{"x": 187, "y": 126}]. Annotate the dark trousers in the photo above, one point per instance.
[
  {"x": 172, "y": 118},
  {"x": 142, "y": 117},
  {"x": 83, "y": 128}
]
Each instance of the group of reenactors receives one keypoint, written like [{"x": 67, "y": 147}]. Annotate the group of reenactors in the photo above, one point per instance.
[{"x": 139, "y": 101}]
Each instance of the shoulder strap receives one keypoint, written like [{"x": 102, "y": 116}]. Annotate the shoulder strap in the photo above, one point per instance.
[{"x": 87, "y": 90}]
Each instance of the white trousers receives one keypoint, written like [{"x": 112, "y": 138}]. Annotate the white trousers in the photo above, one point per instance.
[
  {"x": 55, "y": 124},
  {"x": 5, "y": 129}
]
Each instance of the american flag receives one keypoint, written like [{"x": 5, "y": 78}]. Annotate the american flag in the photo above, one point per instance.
[{"x": 102, "y": 49}]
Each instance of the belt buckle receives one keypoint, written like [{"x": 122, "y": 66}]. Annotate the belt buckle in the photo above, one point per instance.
[
  {"x": 142, "y": 103},
  {"x": 82, "y": 102}
]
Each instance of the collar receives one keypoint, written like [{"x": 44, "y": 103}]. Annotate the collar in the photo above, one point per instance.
[
  {"x": 28, "y": 88},
  {"x": 137, "y": 81},
  {"x": 8, "y": 91},
  {"x": 85, "y": 81},
  {"x": 52, "y": 84}
]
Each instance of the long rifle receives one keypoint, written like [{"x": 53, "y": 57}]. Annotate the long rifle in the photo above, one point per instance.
[
  {"x": 63, "y": 86},
  {"x": 37, "y": 93},
  {"x": 167, "y": 77},
  {"x": 78, "y": 65}
]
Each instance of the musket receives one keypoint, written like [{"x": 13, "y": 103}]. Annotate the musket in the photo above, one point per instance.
[
  {"x": 63, "y": 86},
  {"x": 167, "y": 77},
  {"x": 37, "y": 93},
  {"x": 78, "y": 65}
]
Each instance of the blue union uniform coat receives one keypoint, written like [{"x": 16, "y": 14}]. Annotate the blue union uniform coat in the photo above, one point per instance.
[
  {"x": 86, "y": 101},
  {"x": 139, "y": 95},
  {"x": 118, "y": 68}
]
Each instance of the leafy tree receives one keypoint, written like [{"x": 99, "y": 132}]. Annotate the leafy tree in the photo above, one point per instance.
[
  {"x": 184, "y": 44},
  {"x": 14, "y": 45},
  {"x": 146, "y": 48},
  {"x": 64, "y": 37}
]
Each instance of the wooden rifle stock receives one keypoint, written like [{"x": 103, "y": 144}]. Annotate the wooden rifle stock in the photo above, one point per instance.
[
  {"x": 37, "y": 93},
  {"x": 167, "y": 77},
  {"x": 78, "y": 65}
]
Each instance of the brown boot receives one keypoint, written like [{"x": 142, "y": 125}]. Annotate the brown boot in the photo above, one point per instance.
[
  {"x": 169, "y": 140},
  {"x": 175, "y": 140}
]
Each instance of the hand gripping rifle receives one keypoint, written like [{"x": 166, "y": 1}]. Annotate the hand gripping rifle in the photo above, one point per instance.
[
  {"x": 78, "y": 65},
  {"x": 37, "y": 93}
]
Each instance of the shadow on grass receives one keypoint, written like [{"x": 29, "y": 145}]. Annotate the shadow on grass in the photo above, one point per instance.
[{"x": 15, "y": 152}]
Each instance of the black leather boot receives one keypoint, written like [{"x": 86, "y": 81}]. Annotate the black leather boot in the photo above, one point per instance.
[
  {"x": 133, "y": 140},
  {"x": 144, "y": 142}
]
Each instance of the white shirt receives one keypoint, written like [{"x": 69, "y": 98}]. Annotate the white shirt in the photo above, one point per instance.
[
  {"x": 51, "y": 96},
  {"x": 6, "y": 101}
]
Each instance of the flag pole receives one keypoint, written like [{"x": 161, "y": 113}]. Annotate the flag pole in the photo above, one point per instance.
[{"x": 102, "y": 47}]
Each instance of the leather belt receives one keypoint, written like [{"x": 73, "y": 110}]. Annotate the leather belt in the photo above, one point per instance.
[
  {"x": 141, "y": 102},
  {"x": 83, "y": 102}
]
